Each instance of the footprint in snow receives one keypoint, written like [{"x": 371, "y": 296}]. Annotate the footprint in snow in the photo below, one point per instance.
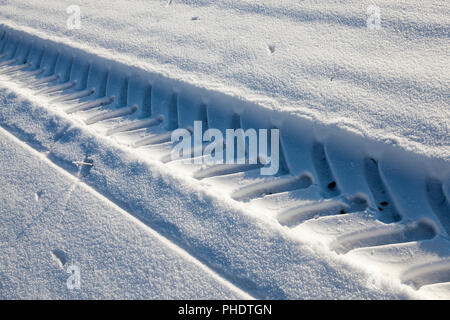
[{"x": 60, "y": 257}]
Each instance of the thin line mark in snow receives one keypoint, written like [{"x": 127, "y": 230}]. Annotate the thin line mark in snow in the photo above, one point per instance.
[
  {"x": 55, "y": 201},
  {"x": 82, "y": 163},
  {"x": 172, "y": 245}
]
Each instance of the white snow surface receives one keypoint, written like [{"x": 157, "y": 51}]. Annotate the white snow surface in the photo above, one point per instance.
[
  {"x": 140, "y": 229},
  {"x": 187, "y": 241},
  {"x": 313, "y": 58},
  {"x": 52, "y": 221}
]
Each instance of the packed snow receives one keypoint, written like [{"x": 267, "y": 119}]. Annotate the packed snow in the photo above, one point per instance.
[
  {"x": 93, "y": 207},
  {"x": 314, "y": 58},
  {"x": 51, "y": 222},
  {"x": 256, "y": 256}
]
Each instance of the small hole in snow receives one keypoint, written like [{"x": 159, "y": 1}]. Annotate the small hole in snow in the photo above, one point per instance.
[
  {"x": 60, "y": 256},
  {"x": 332, "y": 185}
]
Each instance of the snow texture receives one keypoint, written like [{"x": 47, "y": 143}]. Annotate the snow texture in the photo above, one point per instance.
[
  {"x": 140, "y": 228},
  {"x": 243, "y": 246},
  {"x": 51, "y": 221},
  {"x": 313, "y": 58}
]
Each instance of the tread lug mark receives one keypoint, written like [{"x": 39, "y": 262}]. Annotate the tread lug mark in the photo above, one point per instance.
[
  {"x": 10, "y": 47},
  {"x": 383, "y": 235},
  {"x": 164, "y": 102},
  {"x": 43, "y": 81},
  {"x": 135, "y": 125},
  {"x": 10, "y": 61},
  {"x": 80, "y": 72},
  {"x": 14, "y": 69},
  {"x": 63, "y": 67},
  {"x": 20, "y": 56},
  {"x": 91, "y": 104},
  {"x": 33, "y": 61},
  {"x": 164, "y": 107},
  {"x": 387, "y": 211},
  {"x": 294, "y": 216},
  {"x": 112, "y": 114},
  {"x": 224, "y": 169},
  {"x": 429, "y": 273},
  {"x": 140, "y": 94},
  {"x": 47, "y": 64},
  {"x": 439, "y": 203},
  {"x": 280, "y": 184},
  {"x": 77, "y": 84},
  {"x": 74, "y": 96},
  {"x": 55, "y": 88},
  {"x": 32, "y": 72},
  {"x": 151, "y": 140},
  {"x": 326, "y": 179}
]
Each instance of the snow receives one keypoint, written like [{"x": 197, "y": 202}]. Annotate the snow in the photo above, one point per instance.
[
  {"x": 316, "y": 59},
  {"x": 254, "y": 254},
  {"x": 47, "y": 213},
  {"x": 363, "y": 111}
]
